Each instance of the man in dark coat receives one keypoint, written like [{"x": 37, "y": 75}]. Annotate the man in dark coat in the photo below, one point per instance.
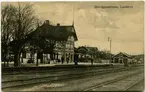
[
  {"x": 76, "y": 59},
  {"x": 92, "y": 61},
  {"x": 62, "y": 59},
  {"x": 67, "y": 60}
]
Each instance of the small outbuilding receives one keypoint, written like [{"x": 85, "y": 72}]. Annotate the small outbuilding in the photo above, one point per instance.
[{"x": 122, "y": 58}]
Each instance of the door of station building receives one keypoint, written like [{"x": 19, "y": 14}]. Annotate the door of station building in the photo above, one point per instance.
[{"x": 125, "y": 61}]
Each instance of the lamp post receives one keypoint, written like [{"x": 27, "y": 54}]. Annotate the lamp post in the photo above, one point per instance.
[{"x": 110, "y": 40}]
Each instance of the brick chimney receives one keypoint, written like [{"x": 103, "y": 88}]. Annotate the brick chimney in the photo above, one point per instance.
[{"x": 47, "y": 22}]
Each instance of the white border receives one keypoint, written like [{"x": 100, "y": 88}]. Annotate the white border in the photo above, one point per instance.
[{"x": 63, "y": 0}]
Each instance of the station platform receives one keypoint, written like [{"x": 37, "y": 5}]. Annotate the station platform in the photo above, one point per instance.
[
  {"x": 52, "y": 66},
  {"x": 31, "y": 67}
]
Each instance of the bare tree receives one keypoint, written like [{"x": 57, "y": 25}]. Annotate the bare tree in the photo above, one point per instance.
[
  {"x": 7, "y": 29},
  {"x": 23, "y": 22}
]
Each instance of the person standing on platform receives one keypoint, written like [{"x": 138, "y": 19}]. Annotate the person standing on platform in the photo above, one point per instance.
[
  {"x": 67, "y": 60},
  {"x": 92, "y": 61},
  {"x": 76, "y": 59},
  {"x": 62, "y": 59}
]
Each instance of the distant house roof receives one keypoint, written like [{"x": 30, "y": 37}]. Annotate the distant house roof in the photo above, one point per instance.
[
  {"x": 58, "y": 32},
  {"x": 87, "y": 50},
  {"x": 92, "y": 48},
  {"x": 82, "y": 50},
  {"x": 123, "y": 54}
]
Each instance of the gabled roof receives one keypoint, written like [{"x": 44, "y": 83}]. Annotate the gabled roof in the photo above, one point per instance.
[
  {"x": 82, "y": 49},
  {"x": 124, "y": 54},
  {"x": 92, "y": 48},
  {"x": 57, "y": 32},
  {"x": 87, "y": 50},
  {"x": 69, "y": 28}
]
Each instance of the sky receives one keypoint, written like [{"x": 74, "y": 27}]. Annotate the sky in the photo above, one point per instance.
[{"x": 125, "y": 26}]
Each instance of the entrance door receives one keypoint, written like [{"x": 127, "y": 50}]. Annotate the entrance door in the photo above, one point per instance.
[
  {"x": 125, "y": 61},
  {"x": 116, "y": 60}
]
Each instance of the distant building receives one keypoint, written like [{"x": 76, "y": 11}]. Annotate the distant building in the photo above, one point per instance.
[
  {"x": 87, "y": 53},
  {"x": 121, "y": 58},
  {"x": 139, "y": 58}
]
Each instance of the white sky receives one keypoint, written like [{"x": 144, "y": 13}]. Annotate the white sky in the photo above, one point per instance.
[{"x": 94, "y": 26}]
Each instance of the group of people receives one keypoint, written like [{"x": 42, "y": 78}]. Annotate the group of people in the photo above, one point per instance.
[
  {"x": 62, "y": 59},
  {"x": 76, "y": 59}
]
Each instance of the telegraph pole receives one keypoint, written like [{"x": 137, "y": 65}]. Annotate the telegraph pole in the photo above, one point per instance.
[{"x": 110, "y": 40}]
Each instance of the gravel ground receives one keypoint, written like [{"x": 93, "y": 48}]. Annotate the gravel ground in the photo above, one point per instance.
[
  {"x": 45, "y": 73},
  {"x": 138, "y": 87},
  {"x": 121, "y": 85}
]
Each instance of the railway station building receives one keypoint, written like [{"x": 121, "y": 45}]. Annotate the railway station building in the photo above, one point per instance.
[{"x": 61, "y": 48}]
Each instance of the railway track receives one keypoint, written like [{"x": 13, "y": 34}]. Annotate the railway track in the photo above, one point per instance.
[
  {"x": 31, "y": 76},
  {"x": 110, "y": 83},
  {"x": 18, "y": 83},
  {"x": 137, "y": 86}
]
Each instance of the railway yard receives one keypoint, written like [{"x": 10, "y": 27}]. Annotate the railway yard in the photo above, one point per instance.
[{"x": 110, "y": 78}]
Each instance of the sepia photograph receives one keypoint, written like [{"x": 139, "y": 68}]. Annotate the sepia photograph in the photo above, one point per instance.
[{"x": 72, "y": 46}]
